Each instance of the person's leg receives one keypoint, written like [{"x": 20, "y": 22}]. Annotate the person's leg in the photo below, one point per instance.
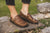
[
  {"x": 14, "y": 16},
  {"x": 24, "y": 12},
  {"x": 11, "y": 6},
  {"x": 25, "y": 6}
]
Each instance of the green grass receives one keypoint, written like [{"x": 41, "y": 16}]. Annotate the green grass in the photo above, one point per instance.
[
  {"x": 4, "y": 11},
  {"x": 32, "y": 9}
]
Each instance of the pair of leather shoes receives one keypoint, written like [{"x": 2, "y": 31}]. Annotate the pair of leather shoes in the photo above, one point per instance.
[{"x": 20, "y": 22}]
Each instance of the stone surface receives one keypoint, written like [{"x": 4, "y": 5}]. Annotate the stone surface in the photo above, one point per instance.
[
  {"x": 40, "y": 16},
  {"x": 7, "y": 27},
  {"x": 44, "y": 7},
  {"x": 4, "y": 19},
  {"x": 46, "y": 30}
]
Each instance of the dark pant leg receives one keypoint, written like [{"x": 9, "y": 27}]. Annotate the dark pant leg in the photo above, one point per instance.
[
  {"x": 26, "y": 1},
  {"x": 10, "y": 2}
]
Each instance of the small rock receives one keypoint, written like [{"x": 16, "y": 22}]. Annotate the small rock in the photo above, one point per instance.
[{"x": 45, "y": 30}]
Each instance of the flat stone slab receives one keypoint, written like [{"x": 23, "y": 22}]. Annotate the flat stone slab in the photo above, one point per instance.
[{"x": 7, "y": 27}]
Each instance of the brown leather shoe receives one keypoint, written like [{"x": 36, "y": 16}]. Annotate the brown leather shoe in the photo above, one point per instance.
[
  {"x": 19, "y": 21},
  {"x": 28, "y": 18}
]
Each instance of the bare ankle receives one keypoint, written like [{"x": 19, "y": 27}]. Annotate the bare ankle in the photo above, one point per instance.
[
  {"x": 25, "y": 12},
  {"x": 13, "y": 15}
]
